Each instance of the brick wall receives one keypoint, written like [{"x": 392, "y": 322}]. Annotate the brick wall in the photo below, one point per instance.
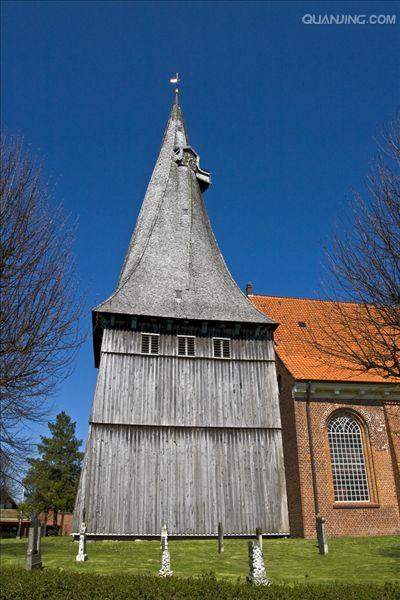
[
  {"x": 66, "y": 523},
  {"x": 392, "y": 417},
  {"x": 290, "y": 450},
  {"x": 382, "y": 449}
]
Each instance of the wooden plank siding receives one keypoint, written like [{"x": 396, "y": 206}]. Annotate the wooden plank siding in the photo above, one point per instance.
[
  {"x": 189, "y": 441},
  {"x": 195, "y": 391},
  {"x": 244, "y": 346},
  {"x": 189, "y": 478}
]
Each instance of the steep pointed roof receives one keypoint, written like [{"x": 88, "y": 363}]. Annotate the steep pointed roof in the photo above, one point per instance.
[{"x": 173, "y": 267}]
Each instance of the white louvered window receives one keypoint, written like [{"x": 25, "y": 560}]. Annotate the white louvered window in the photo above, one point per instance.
[
  {"x": 150, "y": 343},
  {"x": 350, "y": 480},
  {"x": 222, "y": 347},
  {"x": 186, "y": 345}
]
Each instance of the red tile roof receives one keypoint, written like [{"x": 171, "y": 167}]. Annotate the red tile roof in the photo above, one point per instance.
[{"x": 300, "y": 320}]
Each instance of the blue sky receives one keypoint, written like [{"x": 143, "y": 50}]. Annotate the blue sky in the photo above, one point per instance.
[{"x": 286, "y": 116}]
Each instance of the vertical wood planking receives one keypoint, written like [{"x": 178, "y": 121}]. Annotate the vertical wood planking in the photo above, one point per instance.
[
  {"x": 193, "y": 497},
  {"x": 186, "y": 441},
  {"x": 167, "y": 390}
]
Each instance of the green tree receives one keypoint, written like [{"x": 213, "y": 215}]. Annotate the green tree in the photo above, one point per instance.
[{"x": 52, "y": 479}]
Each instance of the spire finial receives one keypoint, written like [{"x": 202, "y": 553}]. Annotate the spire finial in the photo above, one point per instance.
[{"x": 176, "y": 81}]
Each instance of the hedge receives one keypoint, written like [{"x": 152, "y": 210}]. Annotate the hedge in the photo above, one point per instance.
[{"x": 52, "y": 584}]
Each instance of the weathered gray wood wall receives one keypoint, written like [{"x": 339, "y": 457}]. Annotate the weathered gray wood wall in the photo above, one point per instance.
[
  {"x": 188, "y": 478},
  {"x": 167, "y": 389},
  {"x": 185, "y": 441}
]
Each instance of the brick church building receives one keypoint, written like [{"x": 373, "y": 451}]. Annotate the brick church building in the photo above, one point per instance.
[{"x": 340, "y": 429}]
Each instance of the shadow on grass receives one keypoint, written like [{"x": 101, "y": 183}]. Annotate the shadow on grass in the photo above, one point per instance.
[{"x": 390, "y": 552}]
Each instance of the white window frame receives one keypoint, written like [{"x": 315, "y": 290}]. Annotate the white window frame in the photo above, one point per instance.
[
  {"x": 186, "y": 337},
  {"x": 149, "y": 353},
  {"x": 222, "y": 339},
  {"x": 349, "y": 467}
]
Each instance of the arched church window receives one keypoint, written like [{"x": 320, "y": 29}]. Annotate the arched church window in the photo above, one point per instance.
[{"x": 350, "y": 481}]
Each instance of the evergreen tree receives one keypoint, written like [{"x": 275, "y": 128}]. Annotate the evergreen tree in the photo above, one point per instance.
[{"x": 52, "y": 479}]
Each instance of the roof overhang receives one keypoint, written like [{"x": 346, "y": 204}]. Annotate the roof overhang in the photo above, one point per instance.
[
  {"x": 346, "y": 390},
  {"x": 102, "y": 320}
]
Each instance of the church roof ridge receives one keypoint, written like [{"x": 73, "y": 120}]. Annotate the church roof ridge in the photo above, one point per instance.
[{"x": 305, "y": 298}]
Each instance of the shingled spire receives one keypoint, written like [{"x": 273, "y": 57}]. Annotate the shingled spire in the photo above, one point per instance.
[{"x": 173, "y": 267}]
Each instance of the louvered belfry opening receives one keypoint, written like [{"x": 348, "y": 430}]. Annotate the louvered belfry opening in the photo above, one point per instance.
[
  {"x": 222, "y": 347},
  {"x": 186, "y": 345},
  {"x": 177, "y": 438},
  {"x": 150, "y": 343}
]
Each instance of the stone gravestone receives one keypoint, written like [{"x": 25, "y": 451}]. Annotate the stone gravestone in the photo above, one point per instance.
[
  {"x": 165, "y": 570},
  {"x": 257, "y": 574},
  {"x": 321, "y": 535},
  {"x": 220, "y": 538},
  {"x": 33, "y": 555},
  {"x": 82, "y": 556},
  {"x": 164, "y": 537}
]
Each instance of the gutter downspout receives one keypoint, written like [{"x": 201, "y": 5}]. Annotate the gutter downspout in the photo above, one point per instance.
[
  {"x": 319, "y": 520},
  {"x": 311, "y": 445}
]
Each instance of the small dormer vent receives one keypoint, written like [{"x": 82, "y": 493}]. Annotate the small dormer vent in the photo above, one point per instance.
[{"x": 187, "y": 157}]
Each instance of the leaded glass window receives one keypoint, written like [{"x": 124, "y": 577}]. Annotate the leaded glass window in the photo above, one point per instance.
[{"x": 350, "y": 480}]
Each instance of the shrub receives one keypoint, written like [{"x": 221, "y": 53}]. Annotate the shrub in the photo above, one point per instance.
[{"x": 52, "y": 584}]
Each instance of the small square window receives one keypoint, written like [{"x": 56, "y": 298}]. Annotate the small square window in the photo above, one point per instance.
[
  {"x": 186, "y": 345},
  {"x": 222, "y": 347},
  {"x": 150, "y": 343}
]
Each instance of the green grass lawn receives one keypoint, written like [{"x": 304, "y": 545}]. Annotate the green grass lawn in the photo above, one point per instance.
[{"x": 374, "y": 559}]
